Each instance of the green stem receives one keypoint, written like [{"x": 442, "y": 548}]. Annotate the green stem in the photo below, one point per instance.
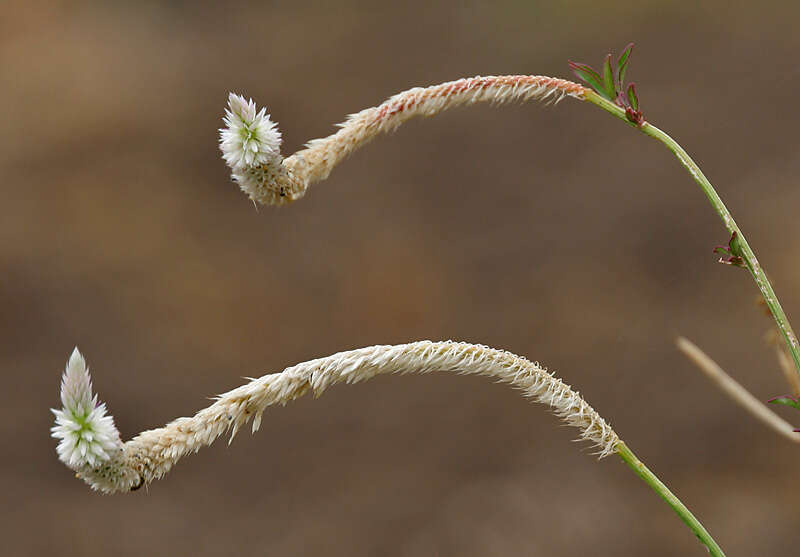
[
  {"x": 739, "y": 244},
  {"x": 663, "y": 491}
]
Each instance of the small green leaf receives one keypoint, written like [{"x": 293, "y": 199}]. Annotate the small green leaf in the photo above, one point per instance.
[
  {"x": 633, "y": 100},
  {"x": 588, "y": 75},
  {"x": 622, "y": 64},
  {"x": 786, "y": 401},
  {"x": 609, "y": 88}
]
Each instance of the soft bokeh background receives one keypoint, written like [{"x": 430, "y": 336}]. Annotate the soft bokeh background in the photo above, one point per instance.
[{"x": 554, "y": 232}]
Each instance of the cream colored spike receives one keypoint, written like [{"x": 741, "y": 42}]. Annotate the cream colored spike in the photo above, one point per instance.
[
  {"x": 151, "y": 454},
  {"x": 279, "y": 181}
]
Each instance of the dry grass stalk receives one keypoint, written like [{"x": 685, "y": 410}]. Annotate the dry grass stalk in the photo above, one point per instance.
[{"x": 736, "y": 391}]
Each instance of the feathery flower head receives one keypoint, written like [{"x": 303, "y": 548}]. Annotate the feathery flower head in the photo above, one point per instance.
[
  {"x": 250, "y": 139},
  {"x": 88, "y": 437}
]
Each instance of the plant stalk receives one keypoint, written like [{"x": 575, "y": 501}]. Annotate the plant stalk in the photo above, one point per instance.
[
  {"x": 663, "y": 491},
  {"x": 739, "y": 243}
]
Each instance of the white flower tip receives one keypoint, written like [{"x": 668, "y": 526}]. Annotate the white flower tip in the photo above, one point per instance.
[
  {"x": 76, "y": 385},
  {"x": 244, "y": 109},
  {"x": 76, "y": 361},
  {"x": 87, "y": 435},
  {"x": 250, "y": 139}
]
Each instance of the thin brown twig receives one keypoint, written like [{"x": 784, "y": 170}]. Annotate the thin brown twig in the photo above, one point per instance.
[
  {"x": 787, "y": 367},
  {"x": 736, "y": 391},
  {"x": 773, "y": 338}
]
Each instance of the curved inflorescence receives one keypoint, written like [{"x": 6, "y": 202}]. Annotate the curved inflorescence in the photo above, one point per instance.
[
  {"x": 250, "y": 142},
  {"x": 151, "y": 454}
]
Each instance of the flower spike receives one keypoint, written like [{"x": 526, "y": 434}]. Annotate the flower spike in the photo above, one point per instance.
[
  {"x": 151, "y": 454},
  {"x": 249, "y": 138},
  {"x": 89, "y": 442},
  {"x": 87, "y": 435},
  {"x": 250, "y": 142}
]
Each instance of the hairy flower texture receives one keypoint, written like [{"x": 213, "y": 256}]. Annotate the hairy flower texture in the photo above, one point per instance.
[
  {"x": 153, "y": 453},
  {"x": 89, "y": 441},
  {"x": 277, "y": 182}
]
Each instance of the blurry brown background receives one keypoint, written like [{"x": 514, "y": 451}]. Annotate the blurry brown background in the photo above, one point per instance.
[{"x": 554, "y": 232}]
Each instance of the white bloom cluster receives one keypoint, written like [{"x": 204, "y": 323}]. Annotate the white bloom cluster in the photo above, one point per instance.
[
  {"x": 250, "y": 139},
  {"x": 88, "y": 436}
]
